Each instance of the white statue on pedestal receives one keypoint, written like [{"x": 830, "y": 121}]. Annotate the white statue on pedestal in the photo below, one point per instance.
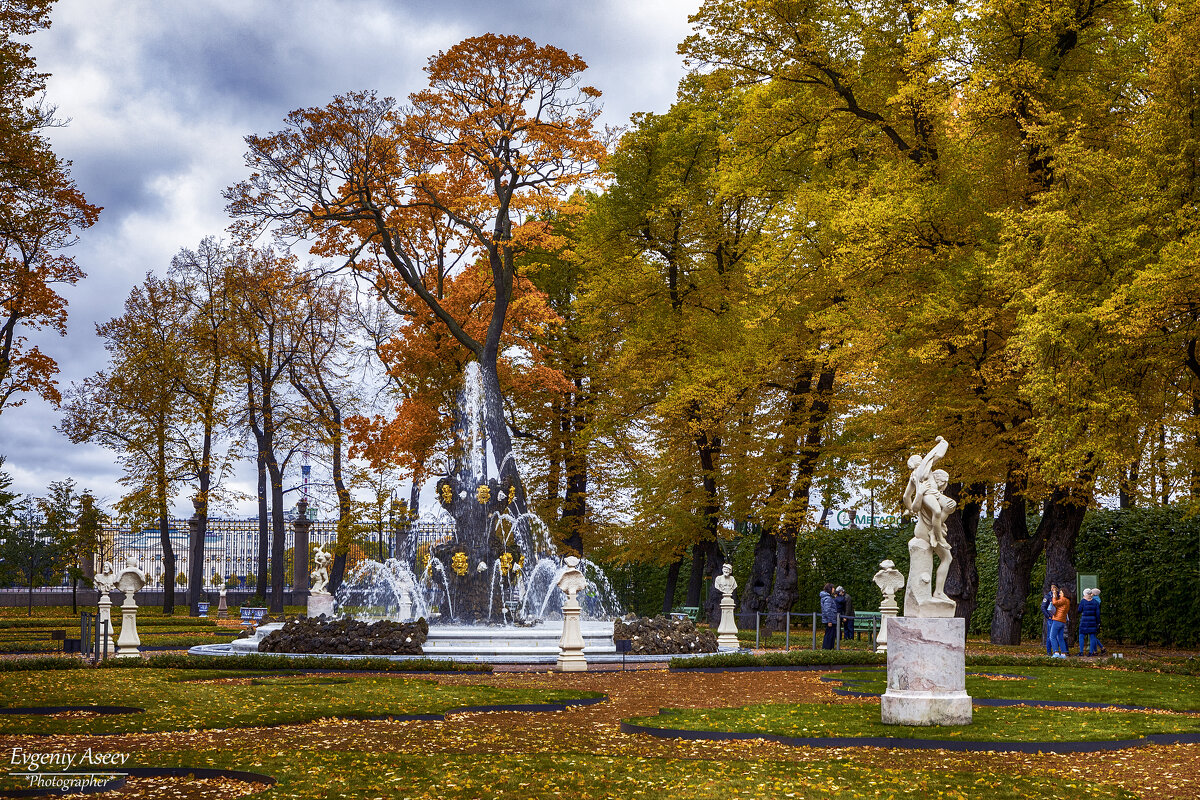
[
  {"x": 923, "y": 496},
  {"x": 570, "y": 646},
  {"x": 105, "y": 581},
  {"x": 130, "y": 581},
  {"x": 320, "y": 575},
  {"x": 725, "y": 583}
]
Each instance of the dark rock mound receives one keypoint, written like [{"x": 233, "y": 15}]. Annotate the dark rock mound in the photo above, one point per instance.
[
  {"x": 662, "y": 636},
  {"x": 347, "y": 637}
]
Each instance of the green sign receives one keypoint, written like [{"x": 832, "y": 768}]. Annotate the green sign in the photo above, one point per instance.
[{"x": 1083, "y": 582}]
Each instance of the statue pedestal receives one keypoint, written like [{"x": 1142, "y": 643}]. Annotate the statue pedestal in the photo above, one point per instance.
[
  {"x": 570, "y": 646},
  {"x": 926, "y": 672},
  {"x": 727, "y": 631},
  {"x": 319, "y": 604},
  {"x": 887, "y": 610},
  {"x": 222, "y": 609},
  {"x": 104, "y": 621},
  {"x": 129, "y": 641},
  {"x": 921, "y": 599}
]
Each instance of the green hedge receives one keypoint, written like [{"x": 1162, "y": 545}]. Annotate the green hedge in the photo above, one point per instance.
[
  {"x": 247, "y": 662},
  {"x": 1148, "y": 561},
  {"x": 805, "y": 658},
  {"x": 786, "y": 658}
]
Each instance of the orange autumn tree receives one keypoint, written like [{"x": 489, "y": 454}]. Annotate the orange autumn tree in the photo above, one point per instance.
[
  {"x": 425, "y": 365},
  {"x": 501, "y": 135},
  {"x": 40, "y": 212}
]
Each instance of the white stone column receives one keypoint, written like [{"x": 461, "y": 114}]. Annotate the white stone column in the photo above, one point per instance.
[
  {"x": 570, "y": 646},
  {"x": 727, "y": 638},
  {"x": 104, "y": 622},
  {"x": 128, "y": 642},
  {"x": 926, "y": 672},
  {"x": 887, "y": 610}
]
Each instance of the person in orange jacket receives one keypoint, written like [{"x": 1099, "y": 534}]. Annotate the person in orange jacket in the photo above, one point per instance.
[{"x": 1058, "y": 621}]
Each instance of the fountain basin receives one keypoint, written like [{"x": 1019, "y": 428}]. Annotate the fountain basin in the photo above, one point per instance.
[
  {"x": 494, "y": 642},
  {"x": 472, "y": 643}
]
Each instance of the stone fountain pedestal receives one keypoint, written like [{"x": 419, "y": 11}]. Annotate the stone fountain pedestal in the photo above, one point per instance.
[
  {"x": 926, "y": 672},
  {"x": 319, "y": 604}
]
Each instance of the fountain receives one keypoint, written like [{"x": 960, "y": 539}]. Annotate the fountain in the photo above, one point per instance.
[{"x": 490, "y": 589}]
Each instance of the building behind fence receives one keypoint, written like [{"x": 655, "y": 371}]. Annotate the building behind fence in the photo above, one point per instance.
[{"x": 231, "y": 548}]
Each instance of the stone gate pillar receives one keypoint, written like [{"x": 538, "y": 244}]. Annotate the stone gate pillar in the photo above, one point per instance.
[{"x": 300, "y": 548}]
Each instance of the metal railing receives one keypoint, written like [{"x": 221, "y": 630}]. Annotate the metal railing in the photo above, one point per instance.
[
  {"x": 93, "y": 637},
  {"x": 766, "y": 624}
]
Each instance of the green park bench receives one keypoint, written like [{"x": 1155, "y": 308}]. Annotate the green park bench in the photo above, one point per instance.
[
  {"x": 866, "y": 621},
  {"x": 689, "y": 612}
]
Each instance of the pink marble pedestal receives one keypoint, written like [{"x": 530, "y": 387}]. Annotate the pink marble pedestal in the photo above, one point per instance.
[{"x": 926, "y": 672}]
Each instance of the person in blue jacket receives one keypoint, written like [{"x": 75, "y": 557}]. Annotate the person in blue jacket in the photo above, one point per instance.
[
  {"x": 1047, "y": 613},
  {"x": 1089, "y": 623},
  {"x": 829, "y": 616}
]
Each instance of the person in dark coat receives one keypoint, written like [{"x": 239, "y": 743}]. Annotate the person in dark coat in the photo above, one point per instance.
[
  {"x": 846, "y": 609},
  {"x": 829, "y": 616},
  {"x": 1089, "y": 623}
]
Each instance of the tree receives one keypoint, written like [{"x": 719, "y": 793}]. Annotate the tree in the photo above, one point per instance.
[
  {"x": 132, "y": 409},
  {"x": 8, "y": 519},
  {"x": 939, "y": 134},
  {"x": 94, "y": 546},
  {"x": 59, "y": 511},
  {"x": 671, "y": 250},
  {"x": 41, "y": 210},
  {"x": 265, "y": 335},
  {"x": 201, "y": 282},
  {"x": 320, "y": 373},
  {"x": 502, "y": 132},
  {"x": 28, "y": 550}
]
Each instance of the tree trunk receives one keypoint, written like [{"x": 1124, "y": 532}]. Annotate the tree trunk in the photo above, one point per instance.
[
  {"x": 712, "y": 598},
  {"x": 1127, "y": 488},
  {"x": 757, "y": 595},
  {"x": 264, "y": 532},
  {"x": 758, "y": 587},
  {"x": 1017, "y": 554},
  {"x": 574, "y": 513},
  {"x": 341, "y": 548},
  {"x": 785, "y": 591},
  {"x": 672, "y": 582},
  {"x": 708, "y": 448},
  {"x": 278, "y": 532},
  {"x": 962, "y": 583},
  {"x": 1061, "y": 521},
  {"x": 696, "y": 577},
  {"x": 496, "y": 426},
  {"x": 164, "y": 537}
]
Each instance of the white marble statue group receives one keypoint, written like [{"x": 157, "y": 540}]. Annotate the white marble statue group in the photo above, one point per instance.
[{"x": 924, "y": 497}]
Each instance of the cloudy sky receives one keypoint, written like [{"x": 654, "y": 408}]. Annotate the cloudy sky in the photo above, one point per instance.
[{"x": 160, "y": 94}]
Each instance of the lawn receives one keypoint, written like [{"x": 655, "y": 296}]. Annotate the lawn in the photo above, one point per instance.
[
  {"x": 198, "y": 718},
  {"x": 358, "y": 774},
  {"x": 179, "y": 700},
  {"x": 32, "y": 634},
  {"x": 1007, "y": 724},
  {"x": 1096, "y": 684}
]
